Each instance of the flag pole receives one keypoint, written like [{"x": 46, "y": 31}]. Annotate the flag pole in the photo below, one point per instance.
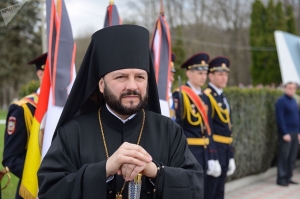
[
  {"x": 162, "y": 10},
  {"x": 43, "y": 28}
]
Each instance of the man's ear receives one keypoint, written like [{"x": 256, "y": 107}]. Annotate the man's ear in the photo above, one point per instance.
[
  {"x": 101, "y": 85},
  {"x": 40, "y": 74},
  {"x": 188, "y": 73}
]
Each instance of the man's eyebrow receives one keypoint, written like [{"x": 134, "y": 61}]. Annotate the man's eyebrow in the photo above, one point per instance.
[
  {"x": 141, "y": 73},
  {"x": 120, "y": 73}
]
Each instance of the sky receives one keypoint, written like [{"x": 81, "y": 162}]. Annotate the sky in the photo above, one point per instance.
[{"x": 88, "y": 16}]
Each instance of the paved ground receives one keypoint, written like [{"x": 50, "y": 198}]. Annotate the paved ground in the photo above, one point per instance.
[{"x": 267, "y": 189}]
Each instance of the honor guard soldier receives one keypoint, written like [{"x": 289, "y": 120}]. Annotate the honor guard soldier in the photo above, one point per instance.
[
  {"x": 193, "y": 115},
  {"x": 221, "y": 125},
  {"x": 18, "y": 124},
  {"x": 172, "y": 73}
]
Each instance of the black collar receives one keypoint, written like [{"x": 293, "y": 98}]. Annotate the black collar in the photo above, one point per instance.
[{"x": 116, "y": 124}]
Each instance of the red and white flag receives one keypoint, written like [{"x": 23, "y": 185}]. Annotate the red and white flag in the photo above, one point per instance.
[{"x": 161, "y": 54}]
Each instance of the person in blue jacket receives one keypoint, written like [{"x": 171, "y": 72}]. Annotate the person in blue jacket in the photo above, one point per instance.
[{"x": 288, "y": 122}]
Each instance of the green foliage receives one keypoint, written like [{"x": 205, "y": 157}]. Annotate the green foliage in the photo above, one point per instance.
[
  {"x": 291, "y": 23},
  {"x": 270, "y": 21},
  {"x": 275, "y": 20},
  {"x": 28, "y": 88},
  {"x": 257, "y": 30},
  {"x": 264, "y": 21},
  {"x": 280, "y": 17},
  {"x": 254, "y": 129},
  {"x": 178, "y": 50},
  {"x": 20, "y": 42}
]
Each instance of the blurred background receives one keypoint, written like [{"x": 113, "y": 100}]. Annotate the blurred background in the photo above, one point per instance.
[{"x": 243, "y": 30}]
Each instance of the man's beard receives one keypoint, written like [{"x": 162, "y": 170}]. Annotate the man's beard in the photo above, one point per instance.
[{"x": 115, "y": 103}]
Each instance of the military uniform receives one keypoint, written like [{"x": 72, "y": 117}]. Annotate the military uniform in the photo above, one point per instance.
[
  {"x": 222, "y": 130},
  {"x": 193, "y": 115},
  {"x": 199, "y": 139},
  {"x": 17, "y": 130}
]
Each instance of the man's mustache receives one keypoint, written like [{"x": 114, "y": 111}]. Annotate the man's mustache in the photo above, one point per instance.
[{"x": 130, "y": 93}]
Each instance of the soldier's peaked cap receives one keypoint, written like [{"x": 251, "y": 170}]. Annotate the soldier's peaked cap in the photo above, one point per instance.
[
  {"x": 220, "y": 63},
  {"x": 198, "y": 61},
  {"x": 39, "y": 61}
]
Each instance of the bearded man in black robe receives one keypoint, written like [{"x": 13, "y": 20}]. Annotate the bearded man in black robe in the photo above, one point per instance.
[{"x": 111, "y": 129}]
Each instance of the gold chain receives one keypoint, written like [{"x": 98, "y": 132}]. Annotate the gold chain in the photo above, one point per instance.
[{"x": 119, "y": 194}]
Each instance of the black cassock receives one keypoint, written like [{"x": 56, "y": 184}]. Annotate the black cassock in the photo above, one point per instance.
[{"x": 75, "y": 165}]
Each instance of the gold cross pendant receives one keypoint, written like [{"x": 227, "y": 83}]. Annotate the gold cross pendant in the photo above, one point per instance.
[{"x": 119, "y": 196}]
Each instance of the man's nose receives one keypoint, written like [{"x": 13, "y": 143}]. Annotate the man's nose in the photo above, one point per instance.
[{"x": 131, "y": 84}]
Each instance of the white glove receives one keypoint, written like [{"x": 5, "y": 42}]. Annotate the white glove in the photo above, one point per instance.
[
  {"x": 231, "y": 167},
  {"x": 214, "y": 168}
]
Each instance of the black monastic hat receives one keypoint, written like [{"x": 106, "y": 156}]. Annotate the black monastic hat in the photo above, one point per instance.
[
  {"x": 39, "y": 62},
  {"x": 220, "y": 63},
  {"x": 112, "y": 48},
  {"x": 198, "y": 61},
  {"x": 173, "y": 58}
]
